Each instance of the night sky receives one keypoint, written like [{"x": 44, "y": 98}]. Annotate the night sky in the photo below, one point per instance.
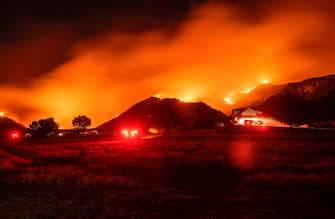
[{"x": 64, "y": 58}]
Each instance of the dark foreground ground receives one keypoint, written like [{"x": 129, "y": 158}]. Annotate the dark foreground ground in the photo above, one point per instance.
[{"x": 265, "y": 174}]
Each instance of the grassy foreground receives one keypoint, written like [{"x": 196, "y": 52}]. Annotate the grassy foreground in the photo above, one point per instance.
[{"x": 192, "y": 175}]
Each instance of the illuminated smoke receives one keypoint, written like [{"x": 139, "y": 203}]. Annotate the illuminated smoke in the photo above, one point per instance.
[{"x": 209, "y": 56}]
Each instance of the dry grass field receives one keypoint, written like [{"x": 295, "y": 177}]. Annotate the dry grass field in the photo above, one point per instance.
[{"x": 263, "y": 174}]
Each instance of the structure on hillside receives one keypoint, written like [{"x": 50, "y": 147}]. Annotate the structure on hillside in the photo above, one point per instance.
[{"x": 246, "y": 112}]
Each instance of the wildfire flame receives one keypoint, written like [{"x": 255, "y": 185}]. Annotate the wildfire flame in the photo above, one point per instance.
[
  {"x": 214, "y": 50},
  {"x": 230, "y": 99},
  {"x": 159, "y": 95},
  {"x": 266, "y": 81},
  {"x": 248, "y": 90}
]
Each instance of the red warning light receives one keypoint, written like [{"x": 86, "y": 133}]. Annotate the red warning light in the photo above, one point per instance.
[
  {"x": 15, "y": 135},
  {"x": 248, "y": 122},
  {"x": 125, "y": 133},
  {"x": 130, "y": 134},
  {"x": 133, "y": 133}
]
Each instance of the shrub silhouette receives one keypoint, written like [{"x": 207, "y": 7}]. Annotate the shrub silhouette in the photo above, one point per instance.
[
  {"x": 43, "y": 127},
  {"x": 81, "y": 122}
]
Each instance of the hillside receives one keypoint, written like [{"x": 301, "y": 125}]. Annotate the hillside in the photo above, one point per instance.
[
  {"x": 168, "y": 114},
  {"x": 8, "y": 124},
  {"x": 258, "y": 95},
  {"x": 306, "y": 101}
]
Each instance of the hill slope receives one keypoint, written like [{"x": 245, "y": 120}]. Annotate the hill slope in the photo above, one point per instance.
[
  {"x": 7, "y": 124},
  {"x": 306, "y": 101},
  {"x": 167, "y": 113},
  {"x": 258, "y": 95}
]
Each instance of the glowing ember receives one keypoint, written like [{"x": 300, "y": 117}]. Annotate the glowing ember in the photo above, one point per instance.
[
  {"x": 248, "y": 90},
  {"x": 158, "y": 95},
  {"x": 229, "y": 100},
  {"x": 265, "y": 81},
  {"x": 187, "y": 97}
]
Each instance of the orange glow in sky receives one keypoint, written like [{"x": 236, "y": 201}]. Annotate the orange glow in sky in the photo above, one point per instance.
[
  {"x": 210, "y": 57},
  {"x": 188, "y": 96},
  {"x": 265, "y": 81}
]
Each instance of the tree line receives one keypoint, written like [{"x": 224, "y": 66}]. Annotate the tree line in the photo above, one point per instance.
[{"x": 48, "y": 126}]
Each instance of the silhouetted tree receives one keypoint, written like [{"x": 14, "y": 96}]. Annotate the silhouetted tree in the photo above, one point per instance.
[
  {"x": 81, "y": 122},
  {"x": 43, "y": 127}
]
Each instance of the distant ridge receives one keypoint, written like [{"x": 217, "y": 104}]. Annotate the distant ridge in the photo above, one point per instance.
[
  {"x": 168, "y": 113},
  {"x": 309, "y": 100}
]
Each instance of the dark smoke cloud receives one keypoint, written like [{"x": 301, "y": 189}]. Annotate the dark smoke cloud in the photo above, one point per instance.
[{"x": 37, "y": 36}]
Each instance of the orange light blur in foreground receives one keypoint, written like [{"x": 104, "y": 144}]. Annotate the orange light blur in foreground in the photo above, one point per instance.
[{"x": 242, "y": 154}]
